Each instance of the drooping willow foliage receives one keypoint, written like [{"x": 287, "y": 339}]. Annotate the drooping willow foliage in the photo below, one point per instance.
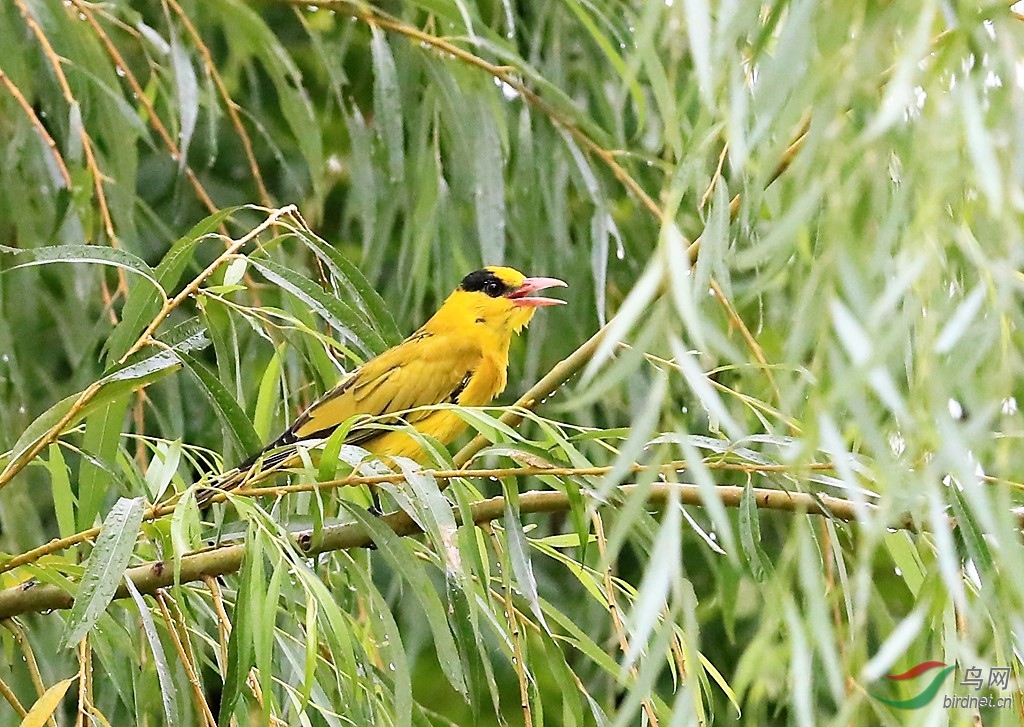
[{"x": 767, "y": 455}]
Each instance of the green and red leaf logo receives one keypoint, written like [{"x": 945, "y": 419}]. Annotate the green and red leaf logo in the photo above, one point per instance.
[{"x": 927, "y": 694}]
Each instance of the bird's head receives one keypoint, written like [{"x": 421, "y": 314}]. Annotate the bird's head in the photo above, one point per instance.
[{"x": 500, "y": 298}]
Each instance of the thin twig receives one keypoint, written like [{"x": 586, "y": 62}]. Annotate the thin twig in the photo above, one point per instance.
[
  {"x": 515, "y": 634},
  {"x": 613, "y": 610},
  {"x": 84, "y": 672},
  {"x": 499, "y": 472},
  {"x": 139, "y": 94},
  {"x": 30, "y": 659},
  {"x": 223, "y": 622},
  {"x": 37, "y": 124},
  {"x": 180, "y": 640},
  {"x": 229, "y": 103},
  {"x": 714, "y": 177},
  {"x": 12, "y": 699}
]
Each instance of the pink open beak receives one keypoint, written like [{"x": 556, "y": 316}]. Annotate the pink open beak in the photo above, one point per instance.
[{"x": 532, "y": 285}]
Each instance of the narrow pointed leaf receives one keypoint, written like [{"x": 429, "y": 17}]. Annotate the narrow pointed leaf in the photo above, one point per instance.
[{"x": 104, "y": 569}]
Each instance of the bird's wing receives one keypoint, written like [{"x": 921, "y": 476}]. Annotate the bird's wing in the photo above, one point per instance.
[{"x": 424, "y": 369}]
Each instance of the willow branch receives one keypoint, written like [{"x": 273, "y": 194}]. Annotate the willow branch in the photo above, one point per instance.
[
  {"x": 32, "y": 597},
  {"x": 374, "y": 16},
  {"x": 138, "y": 93},
  {"x": 21, "y": 461},
  {"x": 162, "y": 509},
  {"x": 92, "y": 164},
  {"x": 230, "y": 105},
  {"x": 37, "y": 124}
]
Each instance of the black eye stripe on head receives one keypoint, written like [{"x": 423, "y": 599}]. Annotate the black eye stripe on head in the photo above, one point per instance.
[{"x": 486, "y": 282}]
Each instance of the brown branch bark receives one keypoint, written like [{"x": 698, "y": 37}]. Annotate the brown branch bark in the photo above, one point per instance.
[
  {"x": 31, "y": 597},
  {"x": 166, "y": 507}
]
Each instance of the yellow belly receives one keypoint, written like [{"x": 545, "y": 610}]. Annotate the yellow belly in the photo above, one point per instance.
[{"x": 444, "y": 426}]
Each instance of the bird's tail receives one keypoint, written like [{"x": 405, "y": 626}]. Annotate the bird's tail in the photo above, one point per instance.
[{"x": 254, "y": 470}]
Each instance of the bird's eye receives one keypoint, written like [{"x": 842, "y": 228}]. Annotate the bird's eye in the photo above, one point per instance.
[{"x": 492, "y": 288}]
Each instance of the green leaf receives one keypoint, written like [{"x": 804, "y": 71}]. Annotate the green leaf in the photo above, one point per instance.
[
  {"x": 636, "y": 305},
  {"x": 268, "y": 397},
  {"x": 233, "y": 274},
  {"x": 699, "y": 32},
  {"x": 663, "y": 568},
  {"x": 399, "y": 556},
  {"x": 801, "y": 680},
  {"x": 163, "y": 467},
  {"x": 63, "y": 496},
  {"x": 959, "y": 322},
  {"x": 488, "y": 186},
  {"x": 231, "y": 415},
  {"x": 143, "y": 303},
  {"x": 387, "y": 104},
  {"x": 893, "y": 647},
  {"x": 968, "y": 527},
  {"x": 350, "y": 325},
  {"x": 983, "y": 150},
  {"x": 186, "y": 92},
  {"x": 104, "y": 569},
  {"x": 519, "y": 555},
  {"x": 750, "y": 536},
  {"x": 311, "y": 630},
  {"x": 102, "y": 436},
  {"x": 91, "y": 254},
  {"x": 251, "y": 587},
  {"x": 168, "y": 697},
  {"x": 264, "y": 615},
  {"x": 185, "y": 529}
]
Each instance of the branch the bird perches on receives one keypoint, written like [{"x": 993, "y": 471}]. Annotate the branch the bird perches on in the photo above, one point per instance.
[{"x": 150, "y": 577}]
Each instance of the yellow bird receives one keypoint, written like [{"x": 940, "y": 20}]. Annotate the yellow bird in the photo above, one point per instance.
[{"x": 459, "y": 356}]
